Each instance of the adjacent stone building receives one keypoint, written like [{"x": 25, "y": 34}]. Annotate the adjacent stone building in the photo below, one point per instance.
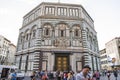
[
  {"x": 104, "y": 59},
  {"x": 113, "y": 52},
  {"x": 110, "y": 56},
  {"x": 7, "y": 51},
  {"x": 57, "y": 36}
]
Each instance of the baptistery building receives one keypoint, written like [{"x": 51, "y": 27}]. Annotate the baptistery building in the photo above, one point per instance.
[{"x": 57, "y": 36}]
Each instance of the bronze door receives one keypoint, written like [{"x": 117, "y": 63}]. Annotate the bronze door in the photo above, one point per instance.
[{"x": 62, "y": 63}]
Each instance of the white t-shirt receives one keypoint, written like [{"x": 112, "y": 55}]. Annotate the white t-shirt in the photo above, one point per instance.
[{"x": 80, "y": 76}]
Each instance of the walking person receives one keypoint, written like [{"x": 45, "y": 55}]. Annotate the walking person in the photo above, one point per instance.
[
  {"x": 65, "y": 75},
  {"x": 54, "y": 75},
  {"x": 14, "y": 76},
  {"x": 97, "y": 75},
  {"x": 33, "y": 75},
  {"x": 115, "y": 72},
  {"x": 94, "y": 76},
  {"x": 45, "y": 76},
  {"x": 83, "y": 75},
  {"x": 108, "y": 75}
]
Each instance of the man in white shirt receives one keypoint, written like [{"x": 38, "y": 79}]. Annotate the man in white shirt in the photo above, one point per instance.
[{"x": 83, "y": 75}]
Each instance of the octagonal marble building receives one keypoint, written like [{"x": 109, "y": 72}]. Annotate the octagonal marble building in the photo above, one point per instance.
[{"x": 57, "y": 36}]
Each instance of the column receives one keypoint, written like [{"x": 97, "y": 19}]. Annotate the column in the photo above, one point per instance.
[
  {"x": 26, "y": 65},
  {"x": 38, "y": 37},
  {"x": 53, "y": 35},
  {"x": 92, "y": 62},
  {"x": 86, "y": 59},
  {"x": 23, "y": 39},
  {"x": 70, "y": 36},
  {"x": 40, "y": 60},
  {"x": 36, "y": 63},
  {"x": 84, "y": 39},
  {"x": 20, "y": 62},
  {"x": 96, "y": 63},
  {"x": 29, "y": 40}
]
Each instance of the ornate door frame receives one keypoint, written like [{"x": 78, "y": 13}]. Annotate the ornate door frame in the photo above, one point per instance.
[{"x": 62, "y": 61}]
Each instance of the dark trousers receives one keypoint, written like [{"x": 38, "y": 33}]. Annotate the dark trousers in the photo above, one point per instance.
[
  {"x": 97, "y": 78},
  {"x": 59, "y": 78}
]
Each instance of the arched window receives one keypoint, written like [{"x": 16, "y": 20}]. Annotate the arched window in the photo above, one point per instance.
[
  {"x": 62, "y": 29},
  {"x": 76, "y": 32},
  {"x": 27, "y": 32},
  {"x": 26, "y": 36},
  {"x": 90, "y": 39},
  {"x": 34, "y": 33},
  {"x": 62, "y": 33},
  {"x": 21, "y": 38},
  {"x": 46, "y": 30},
  {"x": 87, "y": 32}
]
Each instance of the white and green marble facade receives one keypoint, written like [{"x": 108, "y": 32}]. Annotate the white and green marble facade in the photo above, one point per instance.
[{"x": 57, "y": 27}]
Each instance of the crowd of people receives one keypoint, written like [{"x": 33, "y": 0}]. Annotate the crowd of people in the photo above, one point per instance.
[
  {"x": 55, "y": 75},
  {"x": 84, "y": 74},
  {"x": 108, "y": 73}
]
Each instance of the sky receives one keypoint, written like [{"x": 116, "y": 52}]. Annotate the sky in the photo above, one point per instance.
[{"x": 105, "y": 13}]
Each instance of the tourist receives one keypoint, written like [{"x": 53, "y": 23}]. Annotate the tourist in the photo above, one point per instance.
[{"x": 83, "y": 75}]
